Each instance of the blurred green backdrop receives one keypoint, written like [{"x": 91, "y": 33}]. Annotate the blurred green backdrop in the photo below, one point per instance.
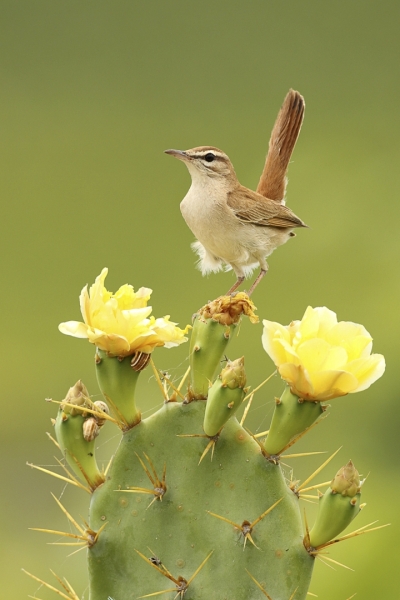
[{"x": 91, "y": 94}]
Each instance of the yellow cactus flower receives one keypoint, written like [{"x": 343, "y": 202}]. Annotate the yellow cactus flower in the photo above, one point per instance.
[
  {"x": 320, "y": 358},
  {"x": 120, "y": 323}
]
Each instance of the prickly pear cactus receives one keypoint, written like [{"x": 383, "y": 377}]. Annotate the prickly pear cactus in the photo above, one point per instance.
[{"x": 193, "y": 505}]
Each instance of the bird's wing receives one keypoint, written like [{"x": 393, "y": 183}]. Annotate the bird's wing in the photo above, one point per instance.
[
  {"x": 250, "y": 207},
  {"x": 284, "y": 135}
]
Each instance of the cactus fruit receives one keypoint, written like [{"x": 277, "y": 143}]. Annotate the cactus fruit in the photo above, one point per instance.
[{"x": 193, "y": 505}]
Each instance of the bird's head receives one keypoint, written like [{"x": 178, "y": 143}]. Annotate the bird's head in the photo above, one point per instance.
[{"x": 205, "y": 161}]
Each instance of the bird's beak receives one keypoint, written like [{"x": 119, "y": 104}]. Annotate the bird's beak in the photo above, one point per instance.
[{"x": 177, "y": 154}]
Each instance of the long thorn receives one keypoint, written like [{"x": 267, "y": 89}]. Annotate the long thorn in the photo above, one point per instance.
[
  {"x": 300, "y": 454},
  {"x": 50, "y": 587},
  {"x": 353, "y": 534},
  {"x": 260, "y": 587},
  {"x": 317, "y": 470},
  {"x": 58, "y": 476},
  {"x": 259, "y": 386},
  {"x": 261, "y": 434},
  {"x": 176, "y": 390},
  {"x": 224, "y": 519},
  {"x": 158, "y": 379},
  {"x": 85, "y": 409},
  {"x": 146, "y": 470},
  {"x": 53, "y": 440},
  {"x": 69, "y": 517},
  {"x": 316, "y": 486},
  {"x": 254, "y": 523},
  {"x": 246, "y": 410},
  {"x": 199, "y": 568},
  {"x": 335, "y": 562},
  {"x": 163, "y": 571}
]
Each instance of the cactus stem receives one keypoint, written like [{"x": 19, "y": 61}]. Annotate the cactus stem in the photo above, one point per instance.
[
  {"x": 302, "y": 486},
  {"x": 120, "y": 421},
  {"x": 70, "y": 479},
  {"x": 72, "y": 595},
  {"x": 181, "y": 583},
  {"x": 260, "y": 587},
  {"x": 295, "y": 439},
  {"x": 246, "y": 527},
  {"x": 92, "y": 484}
]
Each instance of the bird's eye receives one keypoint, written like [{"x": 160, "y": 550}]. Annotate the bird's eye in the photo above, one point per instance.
[{"x": 209, "y": 157}]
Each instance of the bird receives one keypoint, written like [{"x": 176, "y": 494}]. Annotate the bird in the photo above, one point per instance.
[{"x": 235, "y": 227}]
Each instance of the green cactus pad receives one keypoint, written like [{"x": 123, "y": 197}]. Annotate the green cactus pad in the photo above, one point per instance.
[{"x": 238, "y": 485}]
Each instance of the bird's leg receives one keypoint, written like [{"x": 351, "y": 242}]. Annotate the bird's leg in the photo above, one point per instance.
[
  {"x": 257, "y": 281},
  {"x": 235, "y": 286}
]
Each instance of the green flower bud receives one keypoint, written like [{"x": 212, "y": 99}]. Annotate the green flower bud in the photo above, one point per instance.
[
  {"x": 337, "y": 507},
  {"x": 70, "y": 429},
  {"x": 346, "y": 481},
  {"x": 78, "y": 395},
  {"x": 225, "y": 396}
]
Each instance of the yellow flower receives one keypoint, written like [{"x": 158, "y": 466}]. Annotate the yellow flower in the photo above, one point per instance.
[
  {"x": 120, "y": 323},
  {"x": 320, "y": 358}
]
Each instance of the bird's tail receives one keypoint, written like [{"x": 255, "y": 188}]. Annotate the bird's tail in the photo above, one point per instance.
[{"x": 284, "y": 135}]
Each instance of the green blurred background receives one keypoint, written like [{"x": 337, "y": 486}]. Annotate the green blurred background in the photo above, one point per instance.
[{"x": 91, "y": 94}]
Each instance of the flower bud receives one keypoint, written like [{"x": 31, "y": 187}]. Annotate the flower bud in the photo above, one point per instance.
[
  {"x": 346, "y": 481},
  {"x": 233, "y": 375},
  {"x": 225, "y": 396},
  {"x": 337, "y": 507},
  {"x": 76, "y": 441},
  {"x": 77, "y": 394}
]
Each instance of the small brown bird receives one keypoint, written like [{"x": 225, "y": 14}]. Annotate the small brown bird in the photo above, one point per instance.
[{"x": 235, "y": 226}]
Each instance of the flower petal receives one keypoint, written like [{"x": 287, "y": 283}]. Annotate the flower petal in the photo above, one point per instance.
[
  {"x": 298, "y": 379},
  {"x": 74, "y": 328},
  {"x": 272, "y": 334},
  {"x": 367, "y": 370},
  {"x": 331, "y": 384}
]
